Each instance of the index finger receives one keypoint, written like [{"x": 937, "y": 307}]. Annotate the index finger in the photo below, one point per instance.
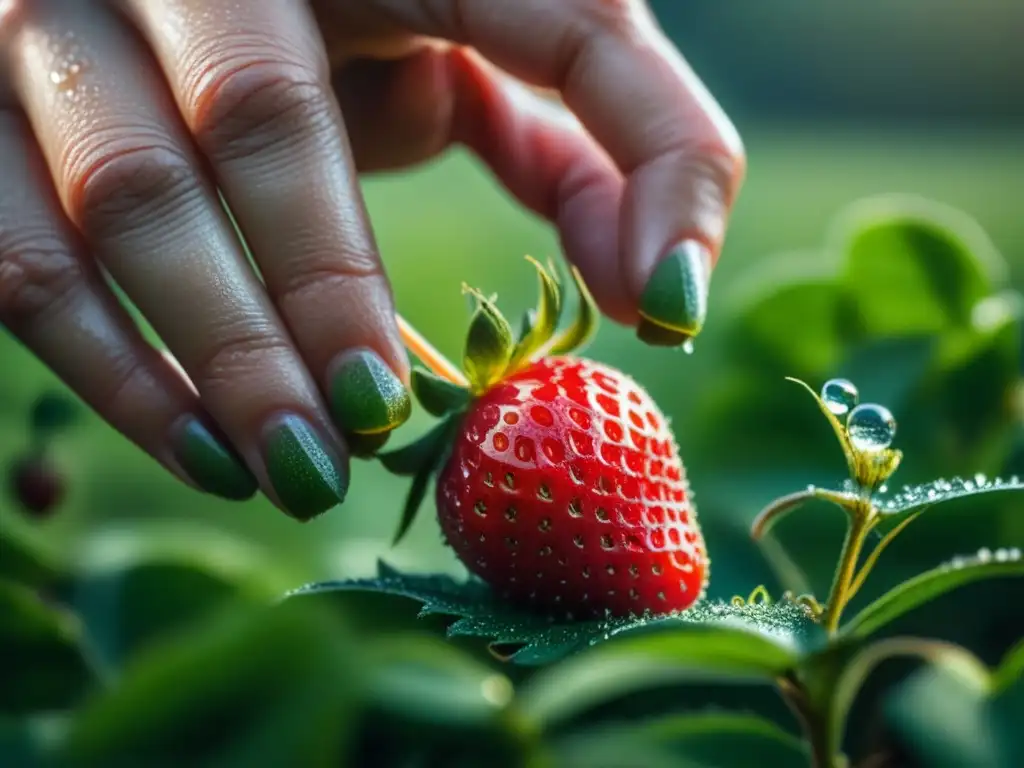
[{"x": 636, "y": 95}]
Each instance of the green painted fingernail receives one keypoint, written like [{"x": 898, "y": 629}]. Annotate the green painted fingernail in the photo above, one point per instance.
[
  {"x": 676, "y": 296},
  {"x": 305, "y": 474},
  {"x": 367, "y": 398},
  {"x": 212, "y": 466}
]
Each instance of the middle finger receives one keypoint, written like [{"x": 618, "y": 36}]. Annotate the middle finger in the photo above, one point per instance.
[
  {"x": 252, "y": 84},
  {"x": 128, "y": 178}
]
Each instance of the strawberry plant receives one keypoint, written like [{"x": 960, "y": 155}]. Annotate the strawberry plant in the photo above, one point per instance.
[{"x": 560, "y": 488}]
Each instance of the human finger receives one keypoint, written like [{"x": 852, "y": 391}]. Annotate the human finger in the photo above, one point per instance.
[
  {"x": 252, "y": 84},
  {"x": 128, "y": 178},
  {"x": 54, "y": 299}
]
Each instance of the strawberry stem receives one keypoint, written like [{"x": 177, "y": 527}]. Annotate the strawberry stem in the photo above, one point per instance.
[{"x": 428, "y": 353}]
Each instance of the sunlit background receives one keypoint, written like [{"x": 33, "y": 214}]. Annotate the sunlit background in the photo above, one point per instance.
[{"x": 837, "y": 102}]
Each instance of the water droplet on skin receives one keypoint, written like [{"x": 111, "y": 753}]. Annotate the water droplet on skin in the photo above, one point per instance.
[
  {"x": 871, "y": 427},
  {"x": 839, "y": 396}
]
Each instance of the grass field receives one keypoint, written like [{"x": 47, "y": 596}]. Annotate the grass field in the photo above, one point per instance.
[{"x": 448, "y": 223}]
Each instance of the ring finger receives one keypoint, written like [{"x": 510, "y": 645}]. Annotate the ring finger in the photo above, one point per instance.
[{"x": 127, "y": 176}]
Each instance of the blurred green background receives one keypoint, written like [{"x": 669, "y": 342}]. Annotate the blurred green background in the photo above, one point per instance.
[{"x": 836, "y": 102}]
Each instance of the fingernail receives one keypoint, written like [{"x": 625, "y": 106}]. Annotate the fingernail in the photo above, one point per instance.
[
  {"x": 367, "y": 398},
  {"x": 676, "y": 296},
  {"x": 210, "y": 463},
  {"x": 306, "y": 475}
]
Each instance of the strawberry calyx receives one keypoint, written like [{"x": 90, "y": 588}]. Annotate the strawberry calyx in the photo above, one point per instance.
[{"x": 493, "y": 352}]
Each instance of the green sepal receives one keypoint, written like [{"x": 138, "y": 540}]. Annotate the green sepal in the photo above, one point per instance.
[
  {"x": 409, "y": 459},
  {"x": 489, "y": 344},
  {"x": 527, "y": 323},
  {"x": 549, "y": 308},
  {"x": 437, "y": 396},
  {"x": 433, "y": 450},
  {"x": 413, "y": 502},
  {"x": 584, "y": 325}
]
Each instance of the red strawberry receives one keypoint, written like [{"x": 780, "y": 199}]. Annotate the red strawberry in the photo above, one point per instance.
[
  {"x": 565, "y": 489},
  {"x": 560, "y": 482}
]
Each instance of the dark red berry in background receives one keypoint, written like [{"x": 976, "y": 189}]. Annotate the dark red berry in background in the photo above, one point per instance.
[
  {"x": 565, "y": 491},
  {"x": 37, "y": 485}
]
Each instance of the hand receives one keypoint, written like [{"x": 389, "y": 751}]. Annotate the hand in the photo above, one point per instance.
[{"x": 121, "y": 120}]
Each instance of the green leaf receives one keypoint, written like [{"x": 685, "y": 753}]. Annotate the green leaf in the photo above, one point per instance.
[
  {"x": 410, "y": 459},
  {"x": 430, "y": 682},
  {"x": 29, "y": 742},
  {"x": 929, "y": 585},
  {"x": 721, "y": 739},
  {"x": 22, "y": 561},
  {"x": 1010, "y": 670},
  {"x": 798, "y": 307},
  {"x": 42, "y": 662},
  {"x": 268, "y": 688},
  {"x": 532, "y": 639},
  {"x": 426, "y": 698},
  {"x": 601, "y": 750},
  {"x": 126, "y": 609},
  {"x": 913, "y": 266},
  {"x": 584, "y": 325},
  {"x": 489, "y": 344},
  {"x": 859, "y": 666},
  {"x": 943, "y": 719},
  {"x": 437, "y": 396},
  {"x": 549, "y": 308},
  {"x": 912, "y": 499},
  {"x": 664, "y": 652}
]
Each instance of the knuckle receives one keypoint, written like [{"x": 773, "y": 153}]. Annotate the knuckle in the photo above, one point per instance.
[
  {"x": 38, "y": 276},
  {"x": 716, "y": 163},
  {"x": 242, "y": 104},
  {"x": 608, "y": 16},
  {"x": 128, "y": 381},
  {"x": 120, "y": 184},
  {"x": 240, "y": 354},
  {"x": 329, "y": 275}
]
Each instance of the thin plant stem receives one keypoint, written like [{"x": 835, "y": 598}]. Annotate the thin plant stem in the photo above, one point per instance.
[
  {"x": 872, "y": 559},
  {"x": 862, "y": 518},
  {"x": 429, "y": 354}
]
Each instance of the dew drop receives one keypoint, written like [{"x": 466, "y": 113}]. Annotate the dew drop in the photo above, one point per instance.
[
  {"x": 871, "y": 427},
  {"x": 688, "y": 346},
  {"x": 839, "y": 396}
]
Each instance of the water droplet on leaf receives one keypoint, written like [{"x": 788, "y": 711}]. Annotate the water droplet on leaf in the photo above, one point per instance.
[
  {"x": 688, "y": 346},
  {"x": 839, "y": 396},
  {"x": 871, "y": 427}
]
